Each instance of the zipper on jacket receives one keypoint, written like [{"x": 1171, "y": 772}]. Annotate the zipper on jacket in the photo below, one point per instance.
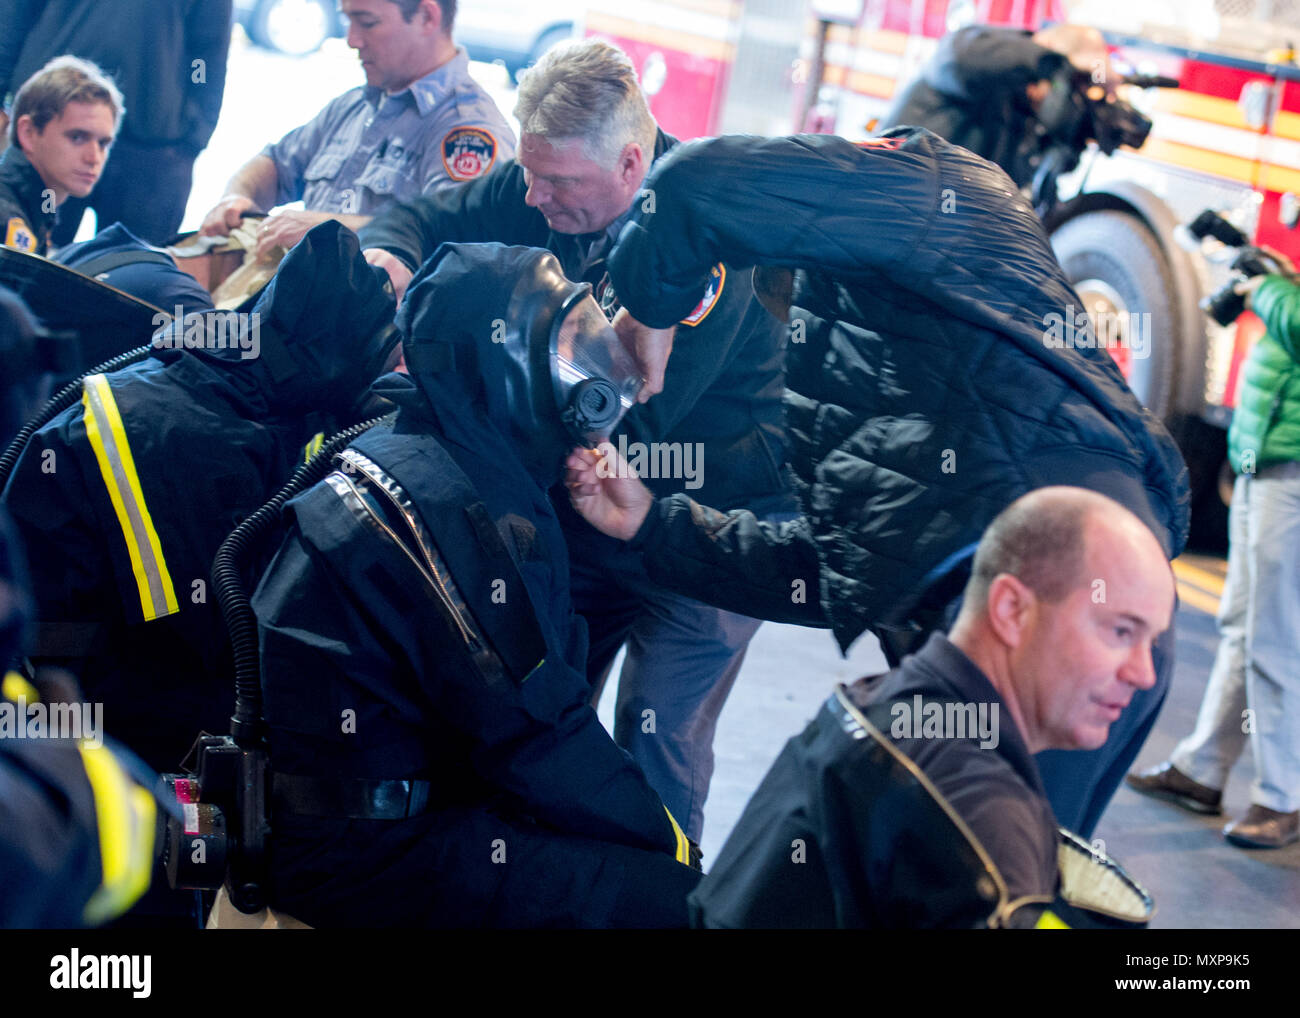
[{"x": 428, "y": 569}]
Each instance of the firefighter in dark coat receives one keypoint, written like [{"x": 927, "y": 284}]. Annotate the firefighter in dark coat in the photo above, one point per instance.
[
  {"x": 928, "y": 386},
  {"x": 62, "y": 863},
  {"x": 123, "y": 498},
  {"x": 436, "y": 760}
]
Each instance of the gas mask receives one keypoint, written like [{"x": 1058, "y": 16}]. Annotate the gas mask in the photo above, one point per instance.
[{"x": 508, "y": 326}]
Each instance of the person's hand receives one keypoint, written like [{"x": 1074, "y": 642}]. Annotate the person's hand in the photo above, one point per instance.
[
  {"x": 649, "y": 348},
  {"x": 226, "y": 215},
  {"x": 397, "y": 271},
  {"x": 605, "y": 492},
  {"x": 1246, "y": 288},
  {"x": 1284, "y": 263},
  {"x": 285, "y": 229}
]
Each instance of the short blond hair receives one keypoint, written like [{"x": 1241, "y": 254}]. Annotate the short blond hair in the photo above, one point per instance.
[
  {"x": 587, "y": 90},
  {"x": 46, "y": 94}
]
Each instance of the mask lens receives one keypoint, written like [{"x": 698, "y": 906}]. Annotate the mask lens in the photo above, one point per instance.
[{"x": 596, "y": 380}]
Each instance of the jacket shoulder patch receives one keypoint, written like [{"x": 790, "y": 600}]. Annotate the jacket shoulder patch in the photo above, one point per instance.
[
  {"x": 19, "y": 236},
  {"x": 717, "y": 279},
  {"x": 468, "y": 152}
]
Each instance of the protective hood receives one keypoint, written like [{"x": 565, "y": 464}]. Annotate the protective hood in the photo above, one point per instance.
[
  {"x": 319, "y": 334},
  {"x": 529, "y": 346}
]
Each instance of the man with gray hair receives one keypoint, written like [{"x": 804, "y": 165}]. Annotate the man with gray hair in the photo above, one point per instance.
[{"x": 587, "y": 141}]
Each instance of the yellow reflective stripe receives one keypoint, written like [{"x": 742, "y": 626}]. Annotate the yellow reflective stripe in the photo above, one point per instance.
[
  {"x": 683, "y": 853},
  {"x": 1049, "y": 920},
  {"x": 16, "y": 688},
  {"x": 125, "y": 815},
  {"x": 107, "y": 437},
  {"x": 313, "y": 447}
]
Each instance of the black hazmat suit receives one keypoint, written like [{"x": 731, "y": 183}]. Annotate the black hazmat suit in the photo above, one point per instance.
[
  {"x": 123, "y": 498},
  {"x": 436, "y": 759},
  {"x": 972, "y": 92},
  {"x": 722, "y": 388},
  {"x": 52, "y": 846},
  {"x": 925, "y": 391}
]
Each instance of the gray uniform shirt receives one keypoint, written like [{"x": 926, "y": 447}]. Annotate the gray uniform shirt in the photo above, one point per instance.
[{"x": 366, "y": 150}]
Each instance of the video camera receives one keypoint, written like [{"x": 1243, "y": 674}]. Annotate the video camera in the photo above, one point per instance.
[
  {"x": 1079, "y": 110},
  {"x": 1076, "y": 111},
  {"x": 1226, "y": 304}
]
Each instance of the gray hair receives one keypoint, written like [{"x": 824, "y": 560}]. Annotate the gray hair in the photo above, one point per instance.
[{"x": 586, "y": 90}]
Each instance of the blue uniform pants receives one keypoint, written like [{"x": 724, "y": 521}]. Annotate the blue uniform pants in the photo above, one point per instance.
[{"x": 683, "y": 657}]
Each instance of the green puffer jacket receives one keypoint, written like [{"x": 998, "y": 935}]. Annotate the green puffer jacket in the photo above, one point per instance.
[{"x": 1266, "y": 424}]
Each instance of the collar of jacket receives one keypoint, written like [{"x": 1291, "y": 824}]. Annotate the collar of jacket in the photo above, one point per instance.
[
  {"x": 17, "y": 172},
  {"x": 433, "y": 88},
  {"x": 941, "y": 668}
]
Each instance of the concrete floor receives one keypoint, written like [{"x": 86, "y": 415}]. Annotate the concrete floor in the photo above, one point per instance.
[{"x": 1197, "y": 879}]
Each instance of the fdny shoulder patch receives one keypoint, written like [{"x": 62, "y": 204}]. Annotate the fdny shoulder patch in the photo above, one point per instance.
[
  {"x": 468, "y": 152},
  {"x": 717, "y": 278},
  {"x": 19, "y": 236}
]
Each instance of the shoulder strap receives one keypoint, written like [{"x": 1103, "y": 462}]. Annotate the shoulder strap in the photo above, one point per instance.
[{"x": 116, "y": 259}]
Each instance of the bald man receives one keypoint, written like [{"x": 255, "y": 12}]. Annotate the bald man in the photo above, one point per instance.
[
  {"x": 913, "y": 798},
  {"x": 987, "y": 89}
]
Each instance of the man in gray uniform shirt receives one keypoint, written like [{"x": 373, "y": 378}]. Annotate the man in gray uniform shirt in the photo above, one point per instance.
[{"x": 420, "y": 124}]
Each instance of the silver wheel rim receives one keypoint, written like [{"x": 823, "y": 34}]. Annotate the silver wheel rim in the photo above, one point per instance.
[
  {"x": 1100, "y": 298},
  {"x": 296, "y": 26}
]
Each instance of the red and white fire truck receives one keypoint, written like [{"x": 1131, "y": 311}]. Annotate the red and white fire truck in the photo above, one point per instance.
[{"x": 1227, "y": 138}]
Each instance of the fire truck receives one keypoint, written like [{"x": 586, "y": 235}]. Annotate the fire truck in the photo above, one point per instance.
[{"x": 1227, "y": 138}]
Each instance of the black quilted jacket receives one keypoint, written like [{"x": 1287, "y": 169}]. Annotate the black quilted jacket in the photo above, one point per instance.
[{"x": 924, "y": 390}]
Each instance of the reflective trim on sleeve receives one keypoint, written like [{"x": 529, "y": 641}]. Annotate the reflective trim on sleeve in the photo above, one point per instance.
[
  {"x": 313, "y": 447},
  {"x": 125, "y": 815},
  {"x": 15, "y": 687},
  {"x": 107, "y": 437},
  {"x": 683, "y": 853}
]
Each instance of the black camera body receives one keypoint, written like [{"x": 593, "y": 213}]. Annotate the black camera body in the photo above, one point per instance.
[
  {"x": 1078, "y": 110},
  {"x": 1225, "y": 305}
]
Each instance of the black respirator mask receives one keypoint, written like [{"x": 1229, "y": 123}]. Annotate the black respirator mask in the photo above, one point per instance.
[{"x": 535, "y": 345}]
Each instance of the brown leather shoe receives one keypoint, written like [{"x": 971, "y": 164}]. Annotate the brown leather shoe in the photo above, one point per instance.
[
  {"x": 1262, "y": 827},
  {"x": 1169, "y": 783}
]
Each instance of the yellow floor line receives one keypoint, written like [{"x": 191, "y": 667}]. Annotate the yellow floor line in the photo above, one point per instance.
[
  {"x": 1198, "y": 599},
  {"x": 1210, "y": 582}
]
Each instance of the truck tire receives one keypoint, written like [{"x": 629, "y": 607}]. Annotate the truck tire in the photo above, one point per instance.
[{"x": 1116, "y": 263}]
